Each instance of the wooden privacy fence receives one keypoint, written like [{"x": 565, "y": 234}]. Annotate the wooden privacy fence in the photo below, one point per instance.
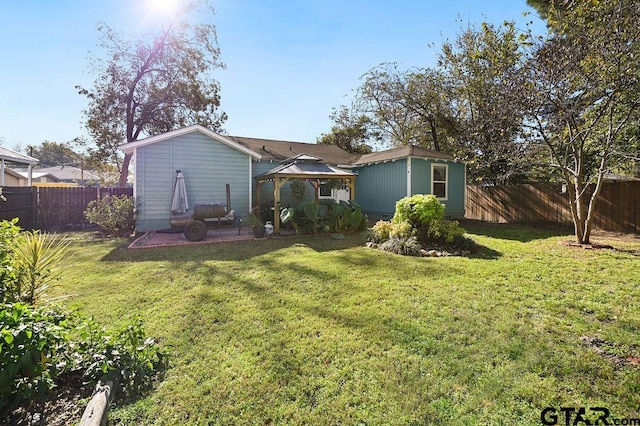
[
  {"x": 64, "y": 207},
  {"x": 52, "y": 207},
  {"x": 617, "y": 208},
  {"x": 20, "y": 202}
]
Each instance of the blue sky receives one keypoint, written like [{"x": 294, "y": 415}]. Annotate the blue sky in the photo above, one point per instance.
[{"x": 288, "y": 61}]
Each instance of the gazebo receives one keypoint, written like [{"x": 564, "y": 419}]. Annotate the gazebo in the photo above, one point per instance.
[
  {"x": 306, "y": 167},
  {"x": 9, "y": 156}
]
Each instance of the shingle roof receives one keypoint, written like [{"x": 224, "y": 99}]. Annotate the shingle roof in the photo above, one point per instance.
[
  {"x": 283, "y": 150},
  {"x": 402, "y": 152}
]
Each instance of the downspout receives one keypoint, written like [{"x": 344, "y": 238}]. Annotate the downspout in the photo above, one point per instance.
[
  {"x": 409, "y": 177},
  {"x": 2, "y": 172},
  {"x": 250, "y": 184}
]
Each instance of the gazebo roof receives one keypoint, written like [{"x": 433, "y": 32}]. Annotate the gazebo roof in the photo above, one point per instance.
[{"x": 306, "y": 166}]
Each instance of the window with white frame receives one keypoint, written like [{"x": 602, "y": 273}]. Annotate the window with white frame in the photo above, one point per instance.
[
  {"x": 439, "y": 180},
  {"x": 324, "y": 190}
]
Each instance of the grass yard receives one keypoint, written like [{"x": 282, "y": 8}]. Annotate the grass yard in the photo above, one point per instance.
[{"x": 318, "y": 331}]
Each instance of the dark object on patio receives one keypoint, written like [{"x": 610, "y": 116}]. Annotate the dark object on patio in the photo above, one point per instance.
[
  {"x": 195, "y": 230},
  {"x": 195, "y": 226},
  {"x": 258, "y": 231}
]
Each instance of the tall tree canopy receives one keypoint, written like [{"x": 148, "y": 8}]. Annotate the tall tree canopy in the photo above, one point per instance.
[
  {"x": 584, "y": 94},
  {"x": 154, "y": 83},
  {"x": 349, "y": 132},
  {"x": 51, "y": 154},
  {"x": 483, "y": 65}
]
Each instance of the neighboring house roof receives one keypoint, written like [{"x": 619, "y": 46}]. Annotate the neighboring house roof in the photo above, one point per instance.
[
  {"x": 303, "y": 164},
  {"x": 283, "y": 150},
  {"x": 36, "y": 174},
  {"x": 14, "y": 173},
  {"x": 128, "y": 148},
  {"x": 403, "y": 152},
  {"x": 16, "y": 157},
  {"x": 64, "y": 173}
]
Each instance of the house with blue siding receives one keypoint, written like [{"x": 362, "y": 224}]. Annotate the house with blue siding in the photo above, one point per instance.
[
  {"x": 384, "y": 177},
  {"x": 210, "y": 161}
]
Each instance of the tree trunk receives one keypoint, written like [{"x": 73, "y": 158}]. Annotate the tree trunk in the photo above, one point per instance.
[{"x": 124, "y": 173}]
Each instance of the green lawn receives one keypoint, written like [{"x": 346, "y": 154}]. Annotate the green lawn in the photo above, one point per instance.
[{"x": 318, "y": 331}]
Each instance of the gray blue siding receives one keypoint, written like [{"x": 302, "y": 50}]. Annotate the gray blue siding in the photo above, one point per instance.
[
  {"x": 208, "y": 165},
  {"x": 379, "y": 186}
]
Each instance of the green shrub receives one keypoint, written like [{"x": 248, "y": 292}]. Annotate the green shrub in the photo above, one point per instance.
[
  {"x": 8, "y": 273},
  {"x": 39, "y": 345},
  {"x": 298, "y": 188},
  {"x": 402, "y": 230},
  {"x": 313, "y": 217},
  {"x": 128, "y": 357},
  {"x": 383, "y": 230},
  {"x": 404, "y": 246},
  {"x": 37, "y": 259},
  {"x": 445, "y": 230},
  {"x": 380, "y": 231},
  {"x": 32, "y": 353},
  {"x": 114, "y": 215},
  {"x": 419, "y": 210}
]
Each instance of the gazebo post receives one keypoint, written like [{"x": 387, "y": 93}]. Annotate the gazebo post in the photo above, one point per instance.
[
  {"x": 258, "y": 186},
  {"x": 352, "y": 188}
]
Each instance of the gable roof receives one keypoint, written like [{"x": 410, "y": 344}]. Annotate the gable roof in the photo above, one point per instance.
[
  {"x": 128, "y": 148},
  {"x": 69, "y": 173},
  {"x": 16, "y": 157},
  {"x": 35, "y": 174},
  {"x": 282, "y": 150},
  {"x": 403, "y": 152}
]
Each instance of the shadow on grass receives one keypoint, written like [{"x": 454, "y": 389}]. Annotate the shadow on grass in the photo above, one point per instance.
[
  {"x": 232, "y": 250},
  {"x": 514, "y": 232}
]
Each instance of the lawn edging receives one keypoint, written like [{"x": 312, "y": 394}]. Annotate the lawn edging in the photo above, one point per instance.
[{"x": 96, "y": 412}]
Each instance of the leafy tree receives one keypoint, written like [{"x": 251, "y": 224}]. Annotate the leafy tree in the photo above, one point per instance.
[
  {"x": 154, "y": 83},
  {"x": 483, "y": 66},
  {"x": 53, "y": 154},
  {"x": 407, "y": 106},
  {"x": 351, "y": 133},
  {"x": 584, "y": 92}
]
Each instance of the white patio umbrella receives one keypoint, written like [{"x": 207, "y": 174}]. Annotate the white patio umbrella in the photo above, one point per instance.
[{"x": 180, "y": 203}]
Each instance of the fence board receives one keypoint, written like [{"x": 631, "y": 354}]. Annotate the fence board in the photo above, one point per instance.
[
  {"x": 20, "y": 202},
  {"x": 617, "y": 207},
  {"x": 64, "y": 207}
]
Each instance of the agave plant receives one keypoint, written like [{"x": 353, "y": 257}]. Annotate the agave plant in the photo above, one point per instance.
[{"x": 38, "y": 257}]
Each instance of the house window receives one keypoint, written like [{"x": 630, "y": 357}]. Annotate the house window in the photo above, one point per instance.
[
  {"x": 324, "y": 190},
  {"x": 439, "y": 180}
]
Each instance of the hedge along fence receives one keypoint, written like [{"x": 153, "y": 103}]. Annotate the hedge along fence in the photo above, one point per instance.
[
  {"x": 617, "y": 207},
  {"x": 52, "y": 207}
]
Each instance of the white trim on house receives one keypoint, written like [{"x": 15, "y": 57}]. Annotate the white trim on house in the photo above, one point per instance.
[
  {"x": 409, "y": 177},
  {"x": 128, "y": 148},
  {"x": 250, "y": 184},
  {"x": 446, "y": 181}
]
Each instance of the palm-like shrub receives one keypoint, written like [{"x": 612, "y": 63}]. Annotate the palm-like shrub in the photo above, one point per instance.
[{"x": 37, "y": 258}]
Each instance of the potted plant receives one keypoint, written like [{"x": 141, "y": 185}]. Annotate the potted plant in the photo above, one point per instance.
[{"x": 256, "y": 224}]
